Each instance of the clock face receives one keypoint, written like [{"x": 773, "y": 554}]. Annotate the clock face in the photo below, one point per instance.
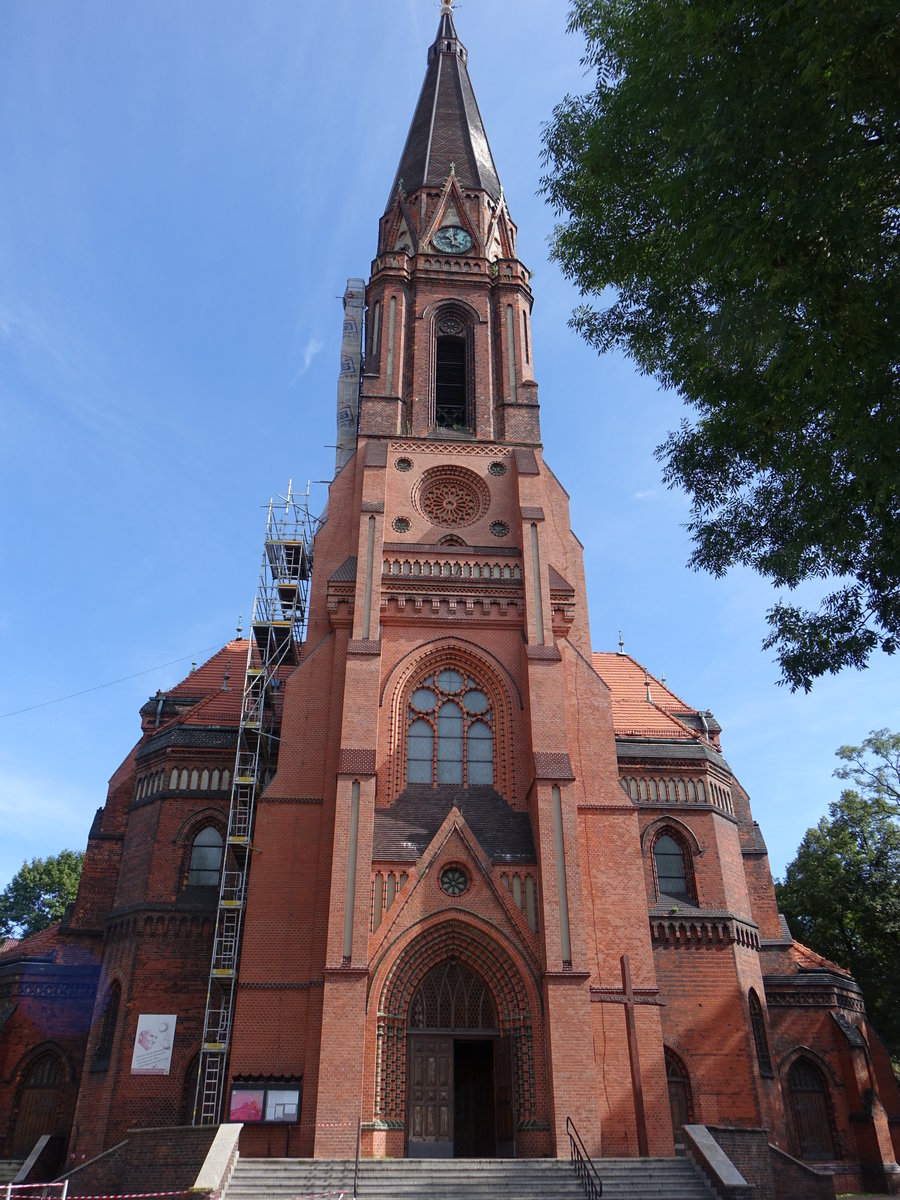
[{"x": 452, "y": 240}]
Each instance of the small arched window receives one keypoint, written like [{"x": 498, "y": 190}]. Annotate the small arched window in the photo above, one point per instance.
[
  {"x": 449, "y": 732},
  {"x": 672, "y": 874},
  {"x": 108, "y": 1025},
  {"x": 810, "y": 1107},
  {"x": 206, "y": 858},
  {"x": 758, "y": 1025}
]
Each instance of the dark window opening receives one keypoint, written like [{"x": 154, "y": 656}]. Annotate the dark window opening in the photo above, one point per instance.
[
  {"x": 108, "y": 1028},
  {"x": 671, "y": 877},
  {"x": 450, "y": 384},
  {"x": 758, "y": 1025}
]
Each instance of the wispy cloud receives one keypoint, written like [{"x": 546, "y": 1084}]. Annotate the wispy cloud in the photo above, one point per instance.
[
  {"x": 310, "y": 350},
  {"x": 647, "y": 494}
]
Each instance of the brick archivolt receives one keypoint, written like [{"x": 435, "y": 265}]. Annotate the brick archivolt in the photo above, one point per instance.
[{"x": 395, "y": 982}]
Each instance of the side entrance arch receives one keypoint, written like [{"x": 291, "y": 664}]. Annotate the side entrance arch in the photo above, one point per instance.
[{"x": 456, "y": 1061}]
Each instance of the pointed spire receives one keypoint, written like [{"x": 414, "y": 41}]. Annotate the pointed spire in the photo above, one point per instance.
[{"x": 447, "y": 131}]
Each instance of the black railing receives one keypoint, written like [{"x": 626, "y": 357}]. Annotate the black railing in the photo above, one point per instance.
[
  {"x": 356, "y": 1166},
  {"x": 581, "y": 1161}
]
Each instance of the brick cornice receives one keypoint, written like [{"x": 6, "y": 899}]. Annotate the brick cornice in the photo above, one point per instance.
[{"x": 355, "y": 761}]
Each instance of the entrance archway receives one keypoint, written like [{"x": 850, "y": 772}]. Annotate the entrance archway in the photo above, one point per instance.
[
  {"x": 455, "y": 1059},
  {"x": 457, "y": 1091},
  {"x": 681, "y": 1102}
]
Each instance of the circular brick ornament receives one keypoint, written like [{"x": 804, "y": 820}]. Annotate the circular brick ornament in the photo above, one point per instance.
[
  {"x": 454, "y": 881},
  {"x": 451, "y": 496},
  {"x": 499, "y": 528},
  {"x": 401, "y": 524},
  {"x": 497, "y": 468},
  {"x": 403, "y": 464}
]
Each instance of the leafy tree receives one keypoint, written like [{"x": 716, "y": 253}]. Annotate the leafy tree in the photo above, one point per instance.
[
  {"x": 841, "y": 894},
  {"x": 38, "y": 893},
  {"x": 733, "y": 175}
]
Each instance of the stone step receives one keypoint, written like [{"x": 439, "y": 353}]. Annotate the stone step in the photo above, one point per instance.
[
  {"x": 463, "y": 1179},
  {"x": 9, "y": 1169}
]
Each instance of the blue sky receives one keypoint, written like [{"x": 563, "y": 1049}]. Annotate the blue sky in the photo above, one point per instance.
[{"x": 184, "y": 190}]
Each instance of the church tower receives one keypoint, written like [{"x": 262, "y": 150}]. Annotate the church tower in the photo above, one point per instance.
[{"x": 417, "y": 949}]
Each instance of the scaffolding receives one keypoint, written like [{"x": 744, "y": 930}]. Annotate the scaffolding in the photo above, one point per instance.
[{"x": 278, "y": 626}]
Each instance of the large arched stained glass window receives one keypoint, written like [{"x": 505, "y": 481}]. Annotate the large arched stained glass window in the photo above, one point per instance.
[{"x": 449, "y": 732}]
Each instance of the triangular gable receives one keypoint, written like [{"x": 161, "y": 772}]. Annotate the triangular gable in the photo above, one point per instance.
[
  {"x": 454, "y": 843},
  {"x": 451, "y": 201}
]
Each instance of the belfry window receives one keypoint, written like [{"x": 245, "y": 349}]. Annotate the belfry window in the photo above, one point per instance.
[
  {"x": 450, "y": 408},
  {"x": 449, "y": 732}
]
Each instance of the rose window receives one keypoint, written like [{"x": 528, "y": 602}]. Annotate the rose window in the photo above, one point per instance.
[{"x": 451, "y": 496}]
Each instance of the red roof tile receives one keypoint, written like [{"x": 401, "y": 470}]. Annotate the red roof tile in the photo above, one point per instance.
[
  {"x": 809, "y": 960},
  {"x": 633, "y": 714}
]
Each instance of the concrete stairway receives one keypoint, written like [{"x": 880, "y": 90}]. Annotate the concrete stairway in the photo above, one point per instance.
[
  {"x": 9, "y": 1169},
  {"x": 463, "y": 1179}
]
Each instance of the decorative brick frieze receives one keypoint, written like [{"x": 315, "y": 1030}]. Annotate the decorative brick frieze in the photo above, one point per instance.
[
  {"x": 531, "y": 512},
  {"x": 291, "y": 800},
  {"x": 372, "y": 506}
]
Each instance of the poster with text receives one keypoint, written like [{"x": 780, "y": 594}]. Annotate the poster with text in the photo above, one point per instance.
[{"x": 153, "y": 1045}]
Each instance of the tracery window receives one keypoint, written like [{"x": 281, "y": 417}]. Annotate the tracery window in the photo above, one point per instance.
[
  {"x": 452, "y": 997},
  {"x": 449, "y": 731},
  {"x": 673, "y": 874},
  {"x": 206, "y": 858}
]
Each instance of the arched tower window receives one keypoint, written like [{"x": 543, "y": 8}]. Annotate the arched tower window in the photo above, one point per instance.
[
  {"x": 758, "y": 1025},
  {"x": 810, "y": 1107},
  {"x": 450, "y": 400},
  {"x": 206, "y": 858},
  {"x": 108, "y": 1027},
  {"x": 674, "y": 876},
  {"x": 449, "y": 731}
]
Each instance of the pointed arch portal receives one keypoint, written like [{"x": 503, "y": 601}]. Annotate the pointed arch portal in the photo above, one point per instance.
[{"x": 457, "y": 1005}]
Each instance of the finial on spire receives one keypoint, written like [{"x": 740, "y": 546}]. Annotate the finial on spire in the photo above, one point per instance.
[
  {"x": 240, "y": 626},
  {"x": 621, "y": 643},
  {"x": 647, "y": 686},
  {"x": 447, "y": 5},
  {"x": 452, "y": 168}
]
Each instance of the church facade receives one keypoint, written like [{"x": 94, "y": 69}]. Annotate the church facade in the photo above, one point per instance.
[{"x": 499, "y": 881}]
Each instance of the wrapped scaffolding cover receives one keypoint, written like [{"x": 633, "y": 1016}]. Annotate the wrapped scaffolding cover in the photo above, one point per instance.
[{"x": 351, "y": 366}]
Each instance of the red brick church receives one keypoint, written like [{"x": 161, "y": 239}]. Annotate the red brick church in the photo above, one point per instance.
[{"x": 494, "y": 879}]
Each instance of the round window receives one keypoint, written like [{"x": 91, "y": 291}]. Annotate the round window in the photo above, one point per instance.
[{"x": 454, "y": 881}]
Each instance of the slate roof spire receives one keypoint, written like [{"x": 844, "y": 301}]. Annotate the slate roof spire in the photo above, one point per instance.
[{"x": 447, "y": 127}]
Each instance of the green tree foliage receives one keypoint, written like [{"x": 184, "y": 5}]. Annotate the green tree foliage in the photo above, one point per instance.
[
  {"x": 841, "y": 894},
  {"x": 733, "y": 176},
  {"x": 38, "y": 893}
]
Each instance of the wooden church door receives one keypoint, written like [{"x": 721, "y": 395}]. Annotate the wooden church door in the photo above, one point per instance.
[
  {"x": 38, "y": 1103},
  {"x": 431, "y": 1097}
]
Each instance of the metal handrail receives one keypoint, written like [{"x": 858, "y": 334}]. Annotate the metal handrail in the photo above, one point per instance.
[
  {"x": 356, "y": 1168},
  {"x": 585, "y": 1170}
]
